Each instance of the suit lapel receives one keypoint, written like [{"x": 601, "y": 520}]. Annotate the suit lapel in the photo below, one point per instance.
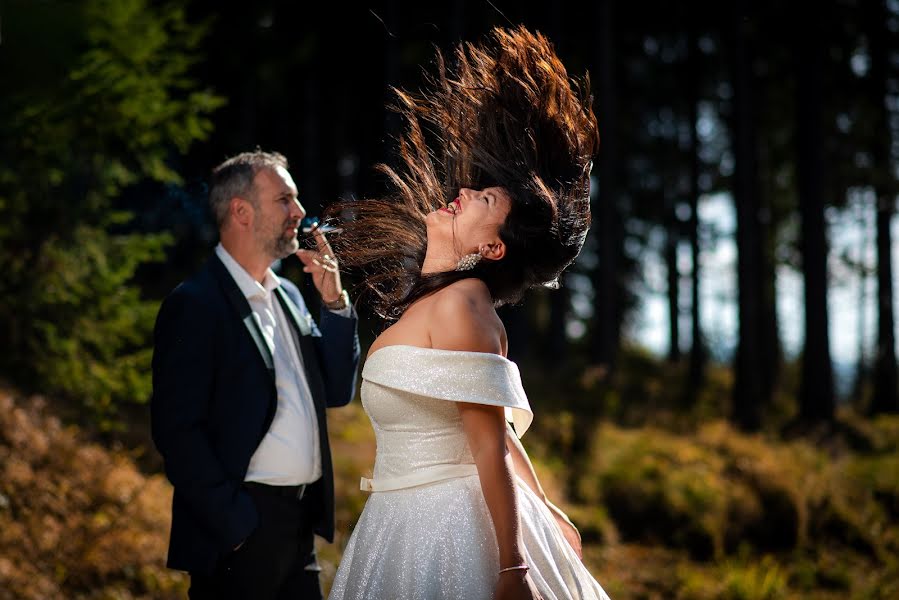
[
  {"x": 300, "y": 332},
  {"x": 239, "y": 303},
  {"x": 299, "y": 321},
  {"x": 237, "y": 298}
]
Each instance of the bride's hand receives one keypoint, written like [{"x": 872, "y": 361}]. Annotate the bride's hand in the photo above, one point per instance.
[
  {"x": 513, "y": 585},
  {"x": 572, "y": 535},
  {"x": 569, "y": 531}
]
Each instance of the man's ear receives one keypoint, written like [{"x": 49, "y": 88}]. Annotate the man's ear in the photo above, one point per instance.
[
  {"x": 241, "y": 211},
  {"x": 493, "y": 250}
]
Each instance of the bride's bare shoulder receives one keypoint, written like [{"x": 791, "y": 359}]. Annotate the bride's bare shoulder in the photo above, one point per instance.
[{"x": 462, "y": 317}]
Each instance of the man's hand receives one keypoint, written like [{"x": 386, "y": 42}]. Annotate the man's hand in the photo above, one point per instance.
[{"x": 322, "y": 266}]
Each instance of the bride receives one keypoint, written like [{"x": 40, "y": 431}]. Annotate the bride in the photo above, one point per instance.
[{"x": 456, "y": 510}]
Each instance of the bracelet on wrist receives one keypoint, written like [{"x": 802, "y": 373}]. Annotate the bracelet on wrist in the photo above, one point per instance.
[{"x": 524, "y": 568}]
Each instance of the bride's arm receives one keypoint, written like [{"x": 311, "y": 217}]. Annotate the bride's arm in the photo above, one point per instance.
[
  {"x": 485, "y": 429},
  {"x": 475, "y": 328},
  {"x": 525, "y": 470}
]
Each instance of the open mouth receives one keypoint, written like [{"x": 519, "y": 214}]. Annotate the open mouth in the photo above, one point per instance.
[{"x": 453, "y": 208}]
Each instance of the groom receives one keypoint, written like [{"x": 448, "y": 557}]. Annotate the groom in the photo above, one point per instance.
[{"x": 241, "y": 379}]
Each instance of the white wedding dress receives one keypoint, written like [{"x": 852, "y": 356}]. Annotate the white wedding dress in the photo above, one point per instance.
[{"x": 425, "y": 532}]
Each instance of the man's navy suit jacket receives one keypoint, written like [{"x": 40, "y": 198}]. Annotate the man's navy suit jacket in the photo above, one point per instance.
[{"x": 214, "y": 399}]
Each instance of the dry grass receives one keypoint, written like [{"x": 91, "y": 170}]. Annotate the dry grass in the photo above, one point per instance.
[
  {"x": 694, "y": 516},
  {"x": 77, "y": 520}
]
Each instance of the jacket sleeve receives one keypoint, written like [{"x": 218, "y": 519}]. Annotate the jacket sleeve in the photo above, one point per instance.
[
  {"x": 339, "y": 350},
  {"x": 183, "y": 387}
]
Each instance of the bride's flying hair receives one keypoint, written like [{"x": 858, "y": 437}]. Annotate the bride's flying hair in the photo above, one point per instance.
[{"x": 505, "y": 114}]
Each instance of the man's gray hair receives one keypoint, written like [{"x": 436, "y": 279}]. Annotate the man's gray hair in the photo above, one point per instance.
[{"x": 234, "y": 178}]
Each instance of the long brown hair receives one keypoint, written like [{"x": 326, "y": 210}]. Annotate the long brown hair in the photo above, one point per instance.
[{"x": 508, "y": 115}]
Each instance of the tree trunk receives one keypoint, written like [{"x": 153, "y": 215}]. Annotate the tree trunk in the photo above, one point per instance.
[
  {"x": 671, "y": 242},
  {"x": 556, "y": 340},
  {"x": 885, "y": 398},
  {"x": 748, "y": 392},
  {"x": 519, "y": 331},
  {"x": 885, "y": 394},
  {"x": 697, "y": 343},
  {"x": 771, "y": 351},
  {"x": 862, "y": 370},
  {"x": 605, "y": 281},
  {"x": 816, "y": 396}
]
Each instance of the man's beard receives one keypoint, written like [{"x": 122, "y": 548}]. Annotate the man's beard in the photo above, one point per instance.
[{"x": 280, "y": 244}]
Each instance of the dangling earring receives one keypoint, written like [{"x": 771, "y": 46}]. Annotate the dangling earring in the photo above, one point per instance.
[{"x": 469, "y": 261}]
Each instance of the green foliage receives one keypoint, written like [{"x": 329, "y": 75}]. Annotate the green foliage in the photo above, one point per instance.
[
  {"x": 136, "y": 76},
  {"x": 714, "y": 513},
  {"x": 75, "y": 323},
  {"x": 658, "y": 489},
  {"x": 672, "y": 502},
  {"x": 877, "y": 435},
  {"x": 720, "y": 491},
  {"x": 763, "y": 580},
  {"x": 92, "y": 328}
]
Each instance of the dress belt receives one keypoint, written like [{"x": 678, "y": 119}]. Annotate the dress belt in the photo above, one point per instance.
[{"x": 420, "y": 477}]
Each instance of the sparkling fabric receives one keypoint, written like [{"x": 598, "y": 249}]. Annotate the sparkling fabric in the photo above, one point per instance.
[{"x": 429, "y": 535}]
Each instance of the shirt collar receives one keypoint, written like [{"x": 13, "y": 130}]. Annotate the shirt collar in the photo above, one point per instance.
[{"x": 249, "y": 286}]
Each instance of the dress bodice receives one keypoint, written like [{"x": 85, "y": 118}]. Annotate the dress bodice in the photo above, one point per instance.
[{"x": 410, "y": 395}]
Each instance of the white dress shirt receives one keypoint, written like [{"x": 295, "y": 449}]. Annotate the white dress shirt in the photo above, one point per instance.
[{"x": 289, "y": 454}]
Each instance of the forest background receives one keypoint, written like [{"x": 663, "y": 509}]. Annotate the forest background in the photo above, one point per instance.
[{"x": 715, "y": 383}]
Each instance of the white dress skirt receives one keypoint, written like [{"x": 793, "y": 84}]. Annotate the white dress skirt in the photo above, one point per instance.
[{"x": 426, "y": 532}]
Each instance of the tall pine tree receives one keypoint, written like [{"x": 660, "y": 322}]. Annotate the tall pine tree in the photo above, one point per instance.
[{"x": 92, "y": 118}]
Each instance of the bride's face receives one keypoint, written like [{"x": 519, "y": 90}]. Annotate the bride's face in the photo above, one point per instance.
[{"x": 470, "y": 224}]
